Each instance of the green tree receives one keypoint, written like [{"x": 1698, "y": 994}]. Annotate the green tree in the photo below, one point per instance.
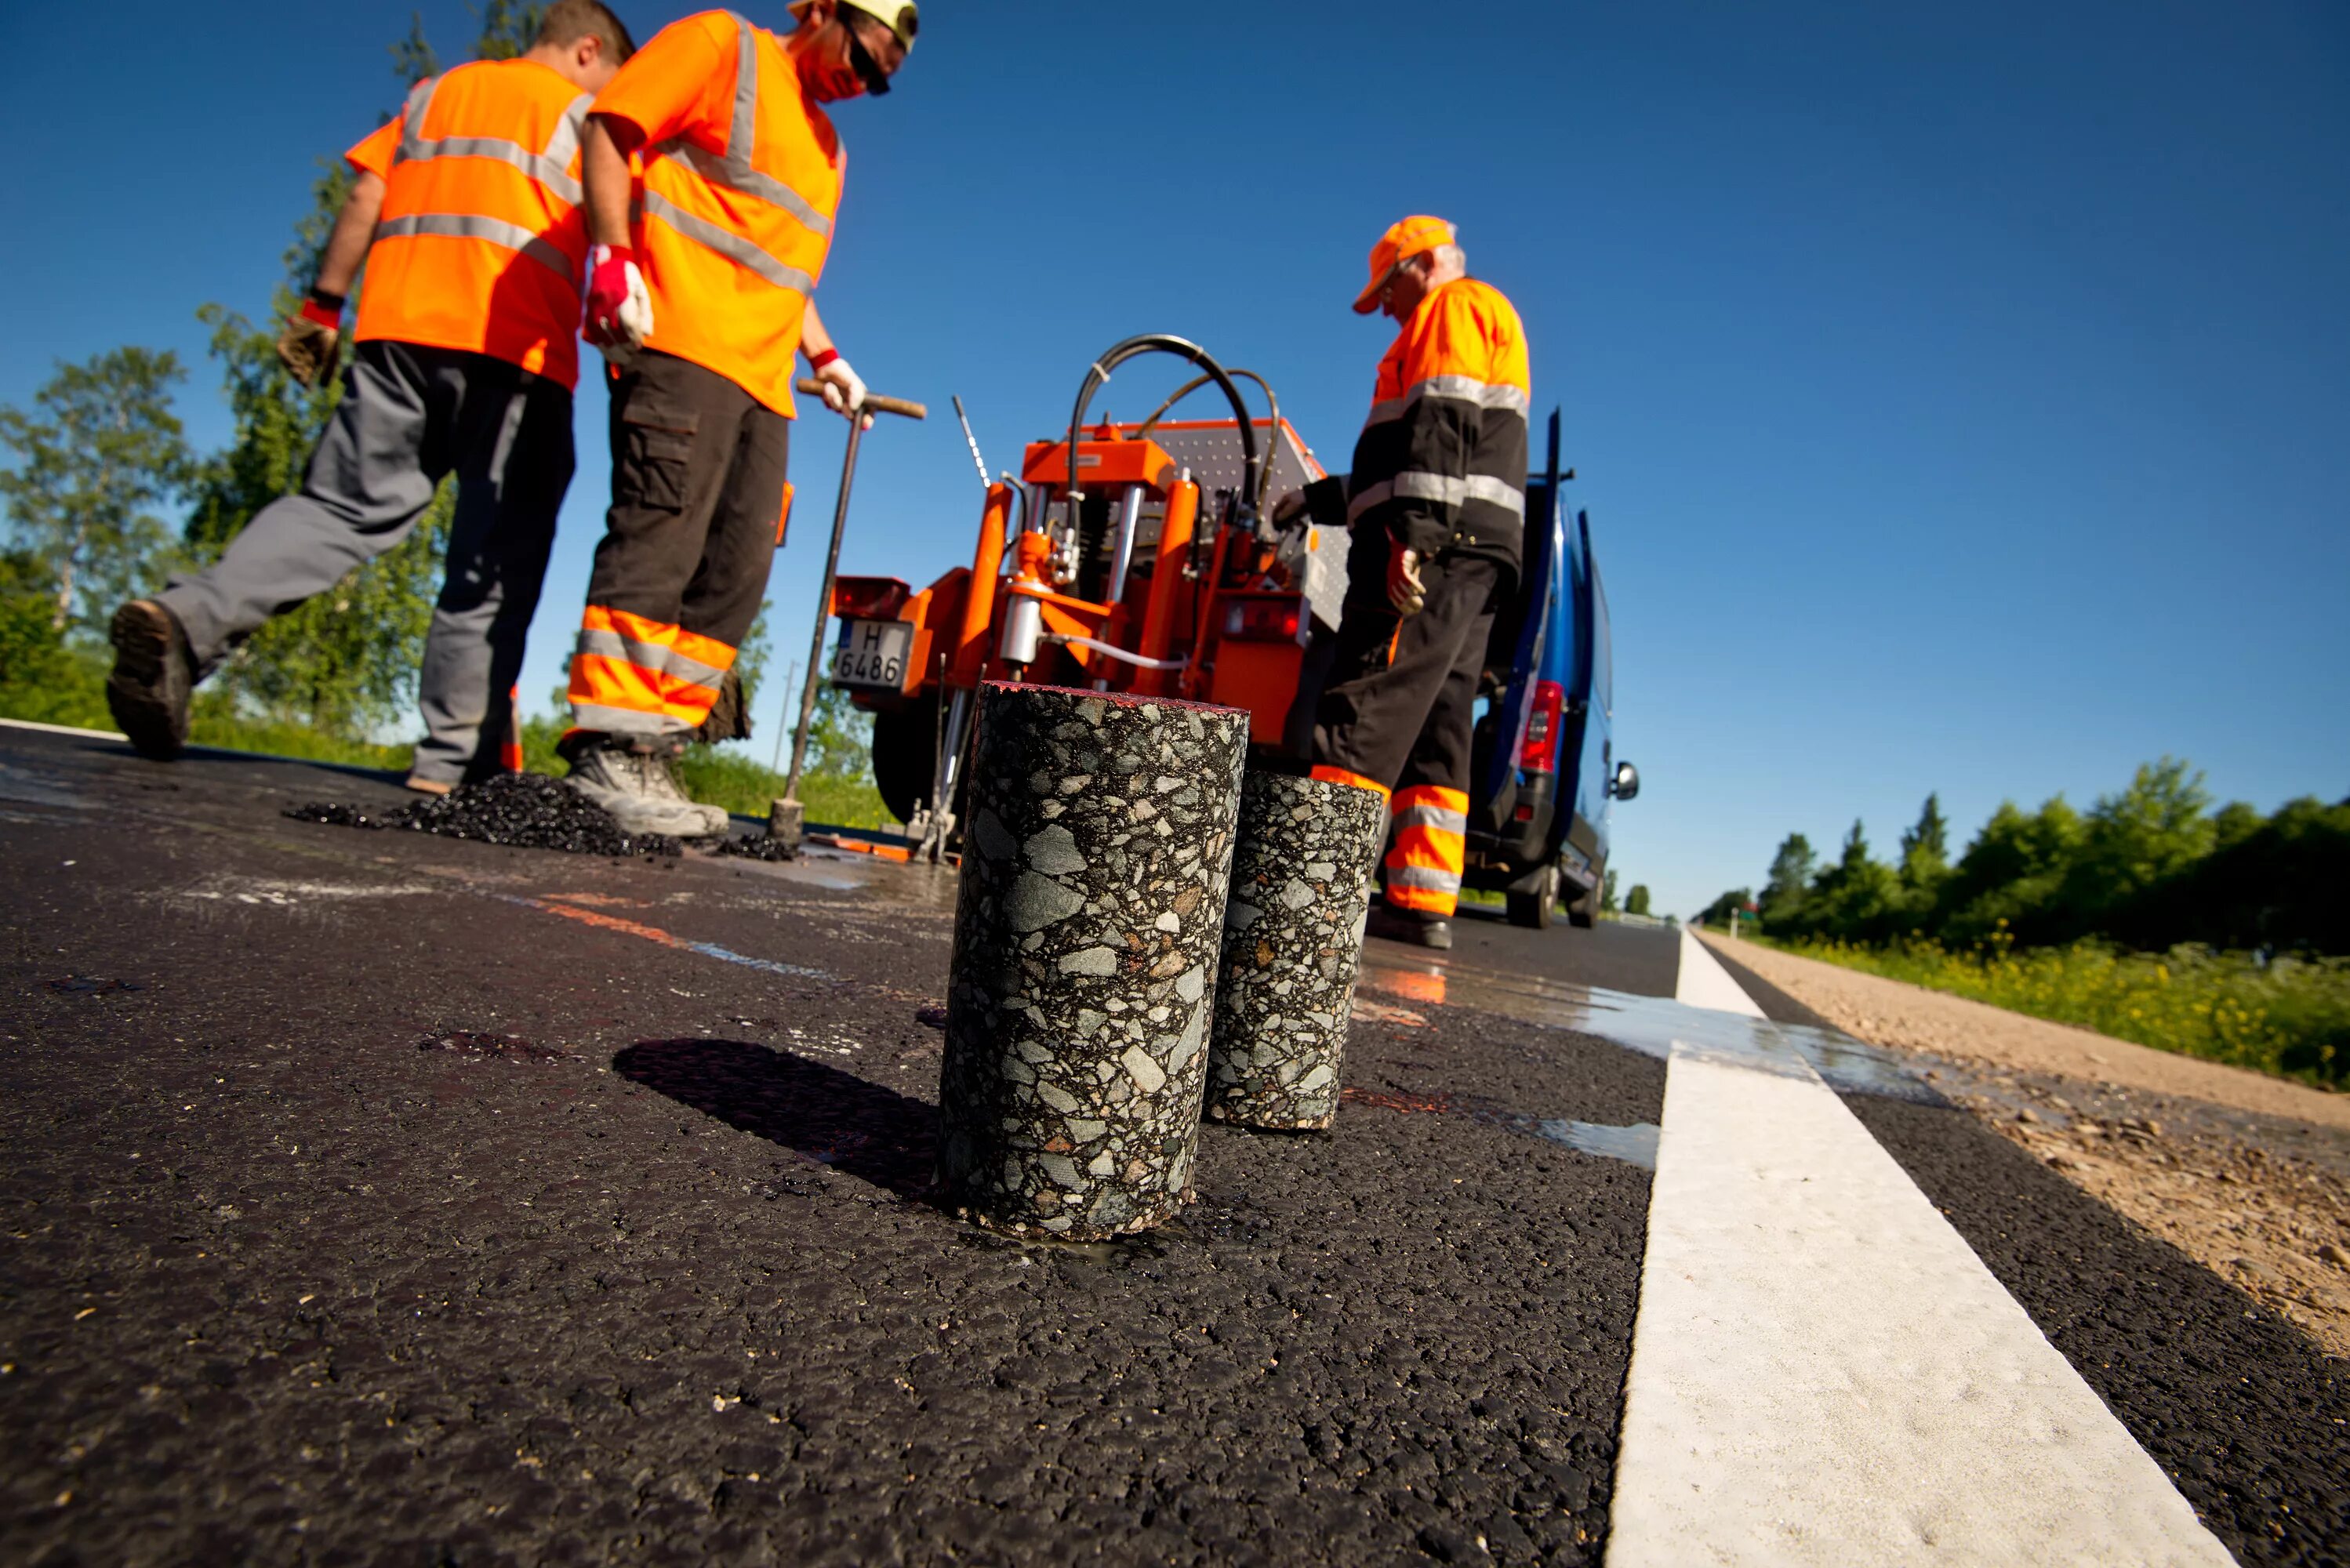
[
  {"x": 1858, "y": 898},
  {"x": 1635, "y": 902},
  {"x": 101, "y": 452},
  {"x": 1607, "y": 905},
  {"x": 1717, "y": 913},
  {"x": 2011, "y": 874},
  {"x": 1790, "y": 880}
]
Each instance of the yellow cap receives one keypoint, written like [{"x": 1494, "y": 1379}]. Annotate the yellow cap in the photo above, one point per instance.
[
  {"x": 899, "y": 16},
  {"x": 1411, "y": 237}
]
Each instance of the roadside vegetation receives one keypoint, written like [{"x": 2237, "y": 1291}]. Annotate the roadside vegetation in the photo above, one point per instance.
[
  {"x": 2151, "y": 917},
  {"x": 103, "y": 498}
]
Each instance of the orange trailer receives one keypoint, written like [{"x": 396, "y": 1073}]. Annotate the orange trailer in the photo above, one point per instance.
[{"x": 1138, "y": 557}]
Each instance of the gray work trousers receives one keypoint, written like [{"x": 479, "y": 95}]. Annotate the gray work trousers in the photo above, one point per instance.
[{"x": 409, "y": 416}]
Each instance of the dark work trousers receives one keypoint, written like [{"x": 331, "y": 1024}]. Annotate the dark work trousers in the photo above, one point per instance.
[
  {"x": 698, "y": 507},
  {"x": 411, "y": 415},
  {"x": 1400, "y": 706}
]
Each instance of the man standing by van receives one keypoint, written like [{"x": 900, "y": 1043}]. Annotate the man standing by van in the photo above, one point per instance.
[
  {"x": 705, "y": 271},
  {"x": 1437, "y": 503},
  {"x": 465, "y": 211}
]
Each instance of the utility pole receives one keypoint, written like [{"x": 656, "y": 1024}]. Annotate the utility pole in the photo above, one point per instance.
[{"x": 783, "y": 711}]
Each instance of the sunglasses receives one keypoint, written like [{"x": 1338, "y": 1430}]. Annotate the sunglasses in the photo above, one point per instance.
[{"x": 861, "y": 58}]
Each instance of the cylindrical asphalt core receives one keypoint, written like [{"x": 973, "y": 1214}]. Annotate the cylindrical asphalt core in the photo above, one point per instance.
[
  {"x": 1087, "y": 931},
  {"x": 1293, "y": 940}
]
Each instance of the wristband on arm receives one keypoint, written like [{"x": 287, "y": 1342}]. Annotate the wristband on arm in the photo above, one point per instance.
[
  {"x": 818, "y": 361},
  {"x": 325, "y": 308}
]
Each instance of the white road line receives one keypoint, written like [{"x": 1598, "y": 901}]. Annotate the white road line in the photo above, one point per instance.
[
  {"x": 1703, "y": 982},
  {"x": 1822, "y": 1371},
  {"x": 62, "y": 729}
]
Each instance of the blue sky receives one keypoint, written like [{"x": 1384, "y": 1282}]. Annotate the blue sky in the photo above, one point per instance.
[{"x": 1959, "y": 394}]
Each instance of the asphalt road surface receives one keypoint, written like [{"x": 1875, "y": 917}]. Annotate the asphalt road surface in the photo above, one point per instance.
[{"x": 374, "y": 1198}]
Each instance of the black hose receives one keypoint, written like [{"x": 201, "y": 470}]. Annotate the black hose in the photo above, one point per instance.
[
  {"x": 1272, "y": 410},
  {"x": 1161, "y": 343}
]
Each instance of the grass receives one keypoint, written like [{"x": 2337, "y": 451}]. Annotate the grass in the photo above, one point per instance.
[{"x": 2286, "y": 1016}]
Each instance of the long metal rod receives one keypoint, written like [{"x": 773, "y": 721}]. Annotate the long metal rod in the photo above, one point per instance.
[
  {"x": 1130, "y": 517},
  {"x": 971, "y": 440},
  {"x": 823, "y": 613}
]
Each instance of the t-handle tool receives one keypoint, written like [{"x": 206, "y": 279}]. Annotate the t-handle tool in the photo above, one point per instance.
[{"x": 786, "y": 819}]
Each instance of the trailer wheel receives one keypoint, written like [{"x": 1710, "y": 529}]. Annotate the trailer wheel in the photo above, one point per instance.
[
  {"x": 905, "y": 745},
  {"x": 1534, "y": 910}
]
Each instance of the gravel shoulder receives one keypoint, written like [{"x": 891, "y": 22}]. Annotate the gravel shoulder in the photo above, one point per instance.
[{"x": 2244, "y": 1173}]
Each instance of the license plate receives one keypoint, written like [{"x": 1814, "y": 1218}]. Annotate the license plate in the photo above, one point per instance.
[{"x": 872, "y": 654}]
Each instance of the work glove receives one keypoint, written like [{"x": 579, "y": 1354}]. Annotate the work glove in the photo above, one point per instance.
[
  {"x": 844, "y": 388},
  {"x": 307, "y": 347},
  {"x": 1406, "y": 592},
  {"x": 619, "y": 309}
]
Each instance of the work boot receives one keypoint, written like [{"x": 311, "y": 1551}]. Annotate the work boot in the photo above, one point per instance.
[
  {"x": 715, "y": 818},
  {"x": 1412, "y": 927},
  {"x": 154, "y": 678},
  {"x": 634, "y": 787}
]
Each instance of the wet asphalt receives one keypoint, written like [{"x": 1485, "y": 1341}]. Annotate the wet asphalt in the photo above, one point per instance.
[{"x": 372, "y": 1198}]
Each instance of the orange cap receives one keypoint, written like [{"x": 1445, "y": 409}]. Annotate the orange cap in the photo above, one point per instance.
[{"x": 1398, "y": 246}]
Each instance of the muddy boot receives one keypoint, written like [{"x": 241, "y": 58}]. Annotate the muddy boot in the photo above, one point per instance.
[
  {"x": 1409, "y": 926},
  {"x": 634, "y": 787},
  {"x": 153, "y": 676}
]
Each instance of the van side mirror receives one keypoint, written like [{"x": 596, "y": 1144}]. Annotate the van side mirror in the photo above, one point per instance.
[{"x": 1626, "y": 782}]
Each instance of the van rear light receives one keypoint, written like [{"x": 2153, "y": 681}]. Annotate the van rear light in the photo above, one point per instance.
[
  {"x": 1539, "y": 753},
  {"x": 1262, "y": 620},
  {"x": 870, "y": 598}
]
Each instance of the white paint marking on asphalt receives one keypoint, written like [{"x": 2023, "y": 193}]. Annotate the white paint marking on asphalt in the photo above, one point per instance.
[
  {"x": 62, "y": 729},
  {"x": 1703, "y": 982},
  {"x": 1822, "y": 1371}
]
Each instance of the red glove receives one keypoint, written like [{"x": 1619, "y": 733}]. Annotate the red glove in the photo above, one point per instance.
[
  {"x": 330, "y": 316},
  {"x": 618, "y": 309}
]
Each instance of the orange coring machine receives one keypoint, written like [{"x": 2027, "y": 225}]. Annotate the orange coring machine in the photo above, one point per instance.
[{"x": 1127, "y": 557}]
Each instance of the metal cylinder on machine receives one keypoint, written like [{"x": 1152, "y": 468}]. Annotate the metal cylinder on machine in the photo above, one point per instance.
[
  {"x": 1167, "y": 579},
  {"x": 979, "y": 593},
  {"x": 1087, "y": 928},
  {"x": 1301, "y": 884}
]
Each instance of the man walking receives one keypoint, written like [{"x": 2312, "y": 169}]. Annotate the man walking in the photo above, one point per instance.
[
  {"x": 465, "y": 211},
  {"x": 705, "y": 268},
  {"x": 1437, "y": 504}
]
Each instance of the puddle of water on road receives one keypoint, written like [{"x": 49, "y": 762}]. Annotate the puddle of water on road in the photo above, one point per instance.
[
  {"x": 1634, "y": 1145},
  {"x": 1654, "y": 1026}
]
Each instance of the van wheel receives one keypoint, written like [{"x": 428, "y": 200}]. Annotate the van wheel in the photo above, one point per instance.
[
  {"x": 1534, "y": 910},
  {"x": 1584, "y": 913}
]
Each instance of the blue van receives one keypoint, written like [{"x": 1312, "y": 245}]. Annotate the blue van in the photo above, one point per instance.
[{"x": 1544, "y": 756}]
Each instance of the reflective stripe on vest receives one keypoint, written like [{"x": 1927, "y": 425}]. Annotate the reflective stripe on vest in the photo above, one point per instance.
[
  {"x": 1461, "y": 389},
  {"x": 731, "y": 170},
  {"x": 496, "y": 230},
  {"x": 550, "y": 166}
]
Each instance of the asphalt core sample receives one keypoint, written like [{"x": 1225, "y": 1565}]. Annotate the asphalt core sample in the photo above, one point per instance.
[
  {"x": 520, "y": 810},
  {"x": 1293, "y": 940},
  {"x": 1090, "y": 919}
]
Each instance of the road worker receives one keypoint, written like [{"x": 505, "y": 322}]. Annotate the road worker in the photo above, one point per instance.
[
  {"x": 1436, "y": 505},
  {"x": 704, "y": 272},
  {"x": 465, "y": 211}
]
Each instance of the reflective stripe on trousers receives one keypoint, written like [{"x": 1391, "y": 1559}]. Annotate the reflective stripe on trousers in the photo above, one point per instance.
[
  {"x": 636, "y": 676},
  {"x": 1430, "y": 850}
]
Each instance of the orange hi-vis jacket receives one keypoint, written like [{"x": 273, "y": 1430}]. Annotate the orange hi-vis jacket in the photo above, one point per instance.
[
  {"x": 741, "y": 184},
  {"x": 481, "y": 244},
  {"x": 1441, "y": 462}
]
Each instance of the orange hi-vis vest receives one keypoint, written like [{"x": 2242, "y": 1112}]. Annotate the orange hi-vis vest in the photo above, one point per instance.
[
  {"x": 741, "y": 180},
  {"x": 481, "y": 244}
]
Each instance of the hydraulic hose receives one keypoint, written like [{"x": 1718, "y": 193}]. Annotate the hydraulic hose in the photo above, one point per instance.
[
  {"x": 1273, "y": 413},
  {"x": 1100, "y": 372}
]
